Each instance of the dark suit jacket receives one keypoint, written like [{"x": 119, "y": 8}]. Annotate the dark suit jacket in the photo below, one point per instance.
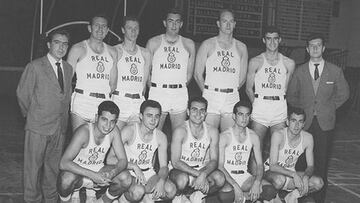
[
  {"x": 43, "y": 104},
  {"x": 332, "y": 92}
]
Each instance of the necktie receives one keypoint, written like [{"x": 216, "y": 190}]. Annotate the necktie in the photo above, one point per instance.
[
  {"x": 316, "y": 72},
  {"x": 60, "y": 76}
]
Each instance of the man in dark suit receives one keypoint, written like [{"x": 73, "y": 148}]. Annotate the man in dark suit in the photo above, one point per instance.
[
  {"x": 318, "y": 87},
  {"x": 44, "y": 93}
]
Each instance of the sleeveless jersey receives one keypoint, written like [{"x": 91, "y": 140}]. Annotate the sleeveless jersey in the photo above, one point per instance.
[
  {"x": 93, "y": 156},
  {"x": 194, "y": 150},
  {"x": 288, "y": 155},
  {"x": 130, "y": 72},
  {"x": 169, "y": 65},
  {"x": 140, "y": 152},
  {"x": 237, "y": 153},
  {"x": 271, "y": 80},
  {"x": 223, "y": 67},
  {"x": 93, "y": 71}
]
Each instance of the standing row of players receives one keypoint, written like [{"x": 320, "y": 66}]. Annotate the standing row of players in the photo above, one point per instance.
[{"x": 121, "y": 74}]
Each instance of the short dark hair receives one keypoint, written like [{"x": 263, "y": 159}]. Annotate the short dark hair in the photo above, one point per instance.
[
  {"x": 296, "y": 110},
  {"x": 174, "y": 10},
  {"x": 271, "y": 29},
  {"x": 108, "y": 106},
  {"x": 198, "y": 99},
  {"x": 313, "y": 36},
  {"x": 99, "y": 15},
  {"x": 129, "y": 18},
  {"x": 242, "y": 103},
  {"x": 51, "y": 35},
  {"x": 149, "y": 103},
  {"x": 225, "y": 10}
]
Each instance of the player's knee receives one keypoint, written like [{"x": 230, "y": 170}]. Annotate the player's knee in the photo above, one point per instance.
[
  {"x": 170, "y": 189},
  {"x": 137, "y": 192},
  {"x": 279, "y": 181},
  {"x": 181, "y": 181},
  {"x": 123, "y": 179},
  {"x": 226, "y": 194},
  {"x": 317, "y": 183},
  {"x": 219, "y": 178},
  {"x": 268, "y": 192},
  {"x": 66, "y": 183}
]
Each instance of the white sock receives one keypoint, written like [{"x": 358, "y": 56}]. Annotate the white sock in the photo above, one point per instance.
[
  {"x": 109, "y": 195},
  {"x": 65, "y": 199}
]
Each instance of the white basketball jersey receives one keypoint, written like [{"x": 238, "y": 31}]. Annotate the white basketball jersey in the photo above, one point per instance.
[
  {"x": 169, "y": 64},
  {"x": 271, "y": 80},
  {"x": 93, "y": 71},
  {"x": 223, "y": 67},
  {"x": 140, "y": 152},
  {"x": 92, "y": 157},
  {"x": 193, "y": 151},
  {"x": 288, "y": 155},
  {"x": 130, "y": 72},
  {"x": 237, "y": 153}
]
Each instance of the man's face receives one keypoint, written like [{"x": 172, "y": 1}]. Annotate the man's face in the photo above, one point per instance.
[
  {"x": 106, "y": 122},
  {"x": 58, "y": 46},
  {"x": 150, "y": 117},
  {"x": 242, "y": 116},
  {"x": 197, "y": 112},
  {"x": 226, "y": 23},
  {"x": 272, "y": 41},
  {"x": 173, "y": 23},
  {"x": 315, "y": 48},
  {"x": 296, "y": 123},
  {"x": 131, "y": 30},
  {"x": 98, "y": 28}
]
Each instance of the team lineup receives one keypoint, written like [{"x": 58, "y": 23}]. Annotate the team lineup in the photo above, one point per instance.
[{"x": 118, "y": 151}]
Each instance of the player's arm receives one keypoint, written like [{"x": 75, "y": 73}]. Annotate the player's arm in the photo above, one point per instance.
[
  {"x": 152, "y": 45},
  {"x": 75, "y": 54},
  {"x": 309, "y": 155},
  {"x": 290, "y": 67},
  {"x": 255, "y": 189},
  {"x": 190, "y": 47},
  {"x": 113, "y": 71},
  {"x": 214, "y": 152},
  {"x": 147, "y": 58},
  {"x": 250, "y": 78},
  {"x": 119, "y": 150},
  {"x": 176, "y": 143},
  {"x": 79, "y": 141},
  {"x": 162, "y": 153},
  {"x": 242, "y": 50},
  {"x": 200, "y": 64},
  {"x": 25, "y": 88}
]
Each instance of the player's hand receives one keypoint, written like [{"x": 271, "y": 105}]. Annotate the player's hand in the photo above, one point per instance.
[
  {"x": 305, "y": 190},
  {"x": 200, "y": 183},
  {"x": 239, "y": 195},
  {"x": 140, "y": 178},
  {"x": 100, "y": 180},
  {"x": 298, "y": 182},
  {"x": 255, "y": 191},
  {"x": 159, "y": 189}
]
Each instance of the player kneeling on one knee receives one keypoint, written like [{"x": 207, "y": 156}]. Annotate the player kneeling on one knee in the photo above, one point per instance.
[
  {"x": 141, "y": 140},
  {"x": 235, "y": 147},
  {"x": 286, "y": 147},
  {"x": 82, "y": 164}
]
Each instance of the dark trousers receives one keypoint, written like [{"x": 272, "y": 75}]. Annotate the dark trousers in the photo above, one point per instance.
[
  {"x": 42, "y": 155},
  {"x": 322, "y": 150}
]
